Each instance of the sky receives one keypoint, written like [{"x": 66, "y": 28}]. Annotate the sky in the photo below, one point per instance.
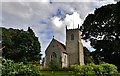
[{"x": 48, "y": 18}]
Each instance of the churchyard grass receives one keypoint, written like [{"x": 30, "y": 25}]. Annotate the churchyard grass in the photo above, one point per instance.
[
  {"x": 68, "y": 73},
  {"x": 57, "y": 73}
]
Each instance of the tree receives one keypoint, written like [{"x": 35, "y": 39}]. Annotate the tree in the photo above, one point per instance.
[
  {"x": 102, "y": 29},
  {"x": 54, "y": 65},
  {"x": 87, "y": 56},
  {"x": 20, "y": 46}
]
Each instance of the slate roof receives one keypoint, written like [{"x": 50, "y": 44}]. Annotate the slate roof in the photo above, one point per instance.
[{"x": 61, "y": 46}]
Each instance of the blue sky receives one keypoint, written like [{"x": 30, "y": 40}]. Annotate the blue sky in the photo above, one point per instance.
[{"x": 48, "y": 17}]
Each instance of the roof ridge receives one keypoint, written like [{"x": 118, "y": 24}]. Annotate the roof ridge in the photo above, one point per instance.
[
  {"x": 59, "y": 42},
  {"x": 61, "y": 46}
]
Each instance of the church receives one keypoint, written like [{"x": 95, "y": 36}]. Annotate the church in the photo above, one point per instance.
[{"x": 66, "y": 55}]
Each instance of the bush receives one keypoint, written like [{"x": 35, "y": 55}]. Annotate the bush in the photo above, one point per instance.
[
  {"x": 28, "y": 70},
  {"x": 87, "y": 69},
  {"x": 9, "y": 68},
  {"x": 54, "y": 65},
  {"x": 97, "y": 69},
  {"x": 91, "y": 69},
  {"x": 0, "y": 69},
  {"x": 109, "y": 68},
  {"x": 75, "y": 68}
]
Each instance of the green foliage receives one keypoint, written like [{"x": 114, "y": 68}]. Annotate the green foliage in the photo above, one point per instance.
[
  {"x": 20, "y": 46},
  {"x": 0, "y": 69},
  {"x": 76, "y": 68},
  {"x": 97, "y": 69},
  {"x": 54, "y": 65},
  {"x": 9, "y": 68},
  {"x": 109, "y": 68},
  {"x": 87, "y": 69},
  {"x": 92, "y": 69},
  {"x": 87, "y": 56},
  {"x": 102, "y": 29}
]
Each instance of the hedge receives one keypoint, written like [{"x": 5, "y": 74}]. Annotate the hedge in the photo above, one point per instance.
[
  {"x": 90, "y": 69},
  {"x": 9, "y": 68}
]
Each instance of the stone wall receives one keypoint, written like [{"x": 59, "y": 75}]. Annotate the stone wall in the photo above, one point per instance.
[
  {"x": 74, "y": 47},
  {"x": 50, "y": 49}
]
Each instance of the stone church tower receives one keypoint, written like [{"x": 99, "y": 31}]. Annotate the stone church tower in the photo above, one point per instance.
[
  {"x": 74, "y": 47},
  {"x": 67, "y": 55}
]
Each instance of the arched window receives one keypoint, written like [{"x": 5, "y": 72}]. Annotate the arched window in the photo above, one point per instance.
[
  {"x": 53, "y": 56},
  {"x": 65, "y": 60},
  {"x": 72, "y": 37}
]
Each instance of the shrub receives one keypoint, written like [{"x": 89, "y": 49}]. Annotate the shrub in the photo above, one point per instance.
[
  {"x": 76, "y": 68},
  {"x": 97, "y": 69},
  {"x": 0, "y": 69},
  {"x": 54, "y": 65},
  {"x": 91, "y": 69},
  {"x": 28, "y": 70},
  {"x": 109, "y": 68},
  {"x": 9, "y": 68},
  {"x": 87, "y": 69}
]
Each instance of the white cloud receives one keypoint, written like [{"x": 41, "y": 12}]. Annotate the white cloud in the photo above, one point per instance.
[
  {"x": 57, "y": 22},
  {"x": 56, "y": 0},
  {"x": 42, "y": 18},
  {"x": 25, "y": 1},
  {"x": 73, "y": 20}
]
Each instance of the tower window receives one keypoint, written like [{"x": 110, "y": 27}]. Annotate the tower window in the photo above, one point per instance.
[{"x": 72, "y": 37}]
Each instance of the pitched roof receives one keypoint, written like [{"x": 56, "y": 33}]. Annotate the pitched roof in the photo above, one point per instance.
[{"x": 61, "y": 46}]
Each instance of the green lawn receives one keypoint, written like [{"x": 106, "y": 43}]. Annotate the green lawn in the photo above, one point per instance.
[
  {"x": 57, "y": 73},
  {"x": 65, "y": 73}
]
